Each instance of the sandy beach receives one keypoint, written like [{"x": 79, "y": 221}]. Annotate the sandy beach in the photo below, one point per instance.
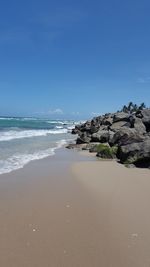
[{"x": 70, "y": 210}]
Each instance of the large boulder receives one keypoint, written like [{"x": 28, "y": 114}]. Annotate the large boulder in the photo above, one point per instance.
[
  {"x": 121, "y": 116},
  {"x": 101, "y": 136},
  {"x": 76, "y": 130},
  {"x": 86, "y": 127},
  {"x": 135, "y": 153},
  {"x": 146, "y": 118},
  {"x": 83, "y": 138},
  {"x": 94, "y": 126},
  {"x": 139, "y": 126},
  {"x": 117, "y": 125},
  {"x": 126, "y": 136},
  {"x": 107, "y": 119}
]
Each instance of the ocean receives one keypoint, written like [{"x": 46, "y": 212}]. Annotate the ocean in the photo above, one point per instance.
[{"x": 26, "y": 139}]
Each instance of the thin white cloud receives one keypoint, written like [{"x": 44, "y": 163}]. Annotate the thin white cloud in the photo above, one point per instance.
[
  {"x": 56, "y": 111},
  {"x": 95, "y": 113}
]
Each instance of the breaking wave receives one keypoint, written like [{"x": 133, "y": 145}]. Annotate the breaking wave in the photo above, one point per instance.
[
  {"x": 10, "y": 135},
  {"x": 18, "y": 160}
]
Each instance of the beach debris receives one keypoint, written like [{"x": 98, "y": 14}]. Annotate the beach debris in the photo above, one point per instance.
[{"x": 34, "y": 230}]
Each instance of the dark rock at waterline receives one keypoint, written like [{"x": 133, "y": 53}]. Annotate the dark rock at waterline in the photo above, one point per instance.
[
  {"x": 83, "y": 138},
  {"x": 71, "y": 146},
  {"x": 77, "y": 146},
  {"x": 74, "y": 131},
  {"x": 135, "y": 153}
]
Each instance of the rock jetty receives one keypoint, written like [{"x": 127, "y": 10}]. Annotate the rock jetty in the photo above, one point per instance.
[{"x": 121, "y": 135}]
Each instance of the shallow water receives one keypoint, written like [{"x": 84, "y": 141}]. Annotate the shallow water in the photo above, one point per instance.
[{"x": 25, "y": 139}]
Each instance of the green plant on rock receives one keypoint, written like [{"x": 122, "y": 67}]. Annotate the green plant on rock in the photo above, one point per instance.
[{"x": 104, "y": 151}]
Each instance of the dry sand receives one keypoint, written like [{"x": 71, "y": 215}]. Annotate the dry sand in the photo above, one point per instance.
[
  {"x": 122, "y": 223},
  {"x": 72, "y": 211}
]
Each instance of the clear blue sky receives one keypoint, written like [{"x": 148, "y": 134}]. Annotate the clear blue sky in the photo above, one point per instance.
[{"x": 67, "y": 58}]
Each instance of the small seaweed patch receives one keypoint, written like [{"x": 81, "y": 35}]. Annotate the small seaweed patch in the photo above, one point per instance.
[
  {"x": 138, "y": 162},
  {"x": 104, "y": 151}
]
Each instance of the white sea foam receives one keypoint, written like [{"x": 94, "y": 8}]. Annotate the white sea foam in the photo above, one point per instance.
[
  {"x": 70, "y": 127},
  {"x": 18, "y": 161},
  {"x": 18, "y": 119},
  {"x": 59, "y": 127},
  {"x": 10, "y": 135},
  {"x": 55, "y": 122},
  {"x": 61, "y": 122},
  {"x": 3, "y": 118},
  {"x": 79, "y": 122}
]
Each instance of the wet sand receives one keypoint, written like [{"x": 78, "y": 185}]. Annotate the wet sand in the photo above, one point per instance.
[{"x": 72, "y": 211}]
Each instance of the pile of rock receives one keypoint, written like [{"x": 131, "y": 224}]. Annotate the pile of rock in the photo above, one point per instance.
[{"x": 130, "y": 133}]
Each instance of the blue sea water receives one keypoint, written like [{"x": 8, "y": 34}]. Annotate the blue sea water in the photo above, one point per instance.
[{"x": 25, "y": 139}]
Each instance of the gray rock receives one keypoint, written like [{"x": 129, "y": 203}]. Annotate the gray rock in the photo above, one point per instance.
[
  {"x": 121, "y": 116},
  {"x": 71, "y": 146},
  {"x": 107, "y": 120},
  {"x": 117, "y": 125},
  {"x": 111, "y": 135},
  {"x": 87, "y": 126},
  {"x": 137, "y": 153},
  {"x": 101, "y": 136},
  {"x": 94, "y": 128},
  {"x": 146, "y": 118},
  {"x": 83, "y": 138},
  {"x": 75, "y": 146},
  {"x": 139, "y": 126},
  {"x": 75, "y": 131},
  {"x": 126, "y": 136}
]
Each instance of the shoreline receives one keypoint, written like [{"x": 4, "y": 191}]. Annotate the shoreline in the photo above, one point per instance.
[
  {"x": 40, "y": 155},
  {"x": 72, "y": 210}
]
